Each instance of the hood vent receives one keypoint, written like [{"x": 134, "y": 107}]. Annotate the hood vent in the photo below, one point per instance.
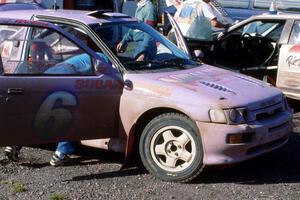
[{"x": 217, "y": 87}]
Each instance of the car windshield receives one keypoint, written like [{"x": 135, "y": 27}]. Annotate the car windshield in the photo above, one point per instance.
[{"x": 142, "y": 48}]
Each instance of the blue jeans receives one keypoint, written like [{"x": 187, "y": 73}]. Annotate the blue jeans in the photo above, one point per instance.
[{"x": 66, "y": 147}]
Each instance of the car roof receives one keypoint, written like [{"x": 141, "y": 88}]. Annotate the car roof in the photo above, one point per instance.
[{"x": 87, "y": 17}]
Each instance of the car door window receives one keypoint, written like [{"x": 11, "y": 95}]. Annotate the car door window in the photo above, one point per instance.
[
  {"x": 52, "y": 53},
  {"x": 11, "y": 45},
  {"x": 44, "y": 51},
  {"x": 295, "y": 35}
]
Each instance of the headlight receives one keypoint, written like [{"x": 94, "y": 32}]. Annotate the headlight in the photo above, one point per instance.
[
  {"x": 237, "y": 115},
  {"x": 217, "y": 116},
  {"x": 228, "y": 116}
]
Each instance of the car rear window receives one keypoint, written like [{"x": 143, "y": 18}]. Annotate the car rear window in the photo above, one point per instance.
[
  {"x": 234, "y": 3},
  {"x": 285, "y": 5}
]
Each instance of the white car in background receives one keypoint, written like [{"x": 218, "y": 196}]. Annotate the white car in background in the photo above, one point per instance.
[{"x": 266, "y": 47}]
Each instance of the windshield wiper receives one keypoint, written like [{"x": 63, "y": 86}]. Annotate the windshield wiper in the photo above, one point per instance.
[
  {"x": 180, "y": 62},
  {"x": 146, "y": 64},
  {"x": 155, "y": 64}
]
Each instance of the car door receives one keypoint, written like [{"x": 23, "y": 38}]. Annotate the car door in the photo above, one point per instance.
[
  {"x": 288, "y": 76},
  {"x": 46, "y": 95},
  {"x": 181, "y": 43}
]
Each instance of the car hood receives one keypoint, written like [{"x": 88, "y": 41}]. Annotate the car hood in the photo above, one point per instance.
[{"x": 209, "y": 85}]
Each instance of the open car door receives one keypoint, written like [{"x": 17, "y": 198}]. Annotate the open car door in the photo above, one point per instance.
[
  {"x": 288, "y": 76},
  {"x": 179, "y": 36},
  {"x": 46, "y": 95}
]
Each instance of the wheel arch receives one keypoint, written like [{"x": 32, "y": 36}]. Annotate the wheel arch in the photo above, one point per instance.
[{"x": 136, "y": 131}]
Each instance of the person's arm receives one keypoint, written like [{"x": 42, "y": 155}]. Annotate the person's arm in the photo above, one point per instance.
[
  {"x": 127, "y": 38},
  {"x": 215, "y": 23},
  {"x": 209, "y": 13},
  {"x": 145, "y": 45}
]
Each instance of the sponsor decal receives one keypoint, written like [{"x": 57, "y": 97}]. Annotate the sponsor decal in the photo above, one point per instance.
[
  {"x": 30, "y": 22},
  {"x": 191, "y": 78},
  {"x": 54, "y": 116},
  {"x": 110, "y": 84},
  {"x": 295, "y": 49},
  {"x": 293, "y": 61}
]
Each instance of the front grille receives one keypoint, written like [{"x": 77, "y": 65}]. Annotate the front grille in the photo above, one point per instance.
[
  {"x": 266, "y": 112},
  {"x": 270, "y": 113}
]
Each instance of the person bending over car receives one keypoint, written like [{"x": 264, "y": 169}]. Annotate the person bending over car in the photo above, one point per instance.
[{"x": 145, "y": 48}]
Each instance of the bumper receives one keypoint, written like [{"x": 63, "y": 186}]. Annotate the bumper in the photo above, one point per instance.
[{"x": 267, "y": 135}]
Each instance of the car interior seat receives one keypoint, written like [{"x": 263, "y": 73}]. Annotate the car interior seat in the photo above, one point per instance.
[
  {"x": 40, "y": 56},
  {"x": 38, "y": 60}
]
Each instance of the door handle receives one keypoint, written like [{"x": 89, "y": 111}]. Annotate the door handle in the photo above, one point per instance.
[
  {"x": 15, "y": 90},
  {"x": 4, "y": 99}
]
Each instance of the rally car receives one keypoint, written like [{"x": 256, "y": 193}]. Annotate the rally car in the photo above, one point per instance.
[
  {"x": 266, "y": 47},
  {"x": 179, "y": 115}
]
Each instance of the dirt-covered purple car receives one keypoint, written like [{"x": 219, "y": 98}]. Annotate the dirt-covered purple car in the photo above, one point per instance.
[{"x": 179, "y": 115}]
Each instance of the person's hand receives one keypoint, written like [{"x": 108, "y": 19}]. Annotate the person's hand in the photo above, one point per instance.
[
  {"x": 119, "y": 47},
  {"x": 141, "y": 57}
]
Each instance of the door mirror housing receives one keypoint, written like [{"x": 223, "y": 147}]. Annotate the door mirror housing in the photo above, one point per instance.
[{"x": 101, "y": 67}]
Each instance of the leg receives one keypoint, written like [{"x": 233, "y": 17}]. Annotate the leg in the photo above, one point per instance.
[
  {"x": 12, "y": 152},
  {"x": 61, "y": 155}
]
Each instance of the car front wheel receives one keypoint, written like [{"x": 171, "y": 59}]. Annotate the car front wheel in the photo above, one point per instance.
[{"x": 171, "y": 148}]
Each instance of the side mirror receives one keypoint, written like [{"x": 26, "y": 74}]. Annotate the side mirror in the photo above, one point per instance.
[
  {"x": 128, "y": 85},
  {"x": 16, "y": 43},
  {"x": 101, "y": 67}
]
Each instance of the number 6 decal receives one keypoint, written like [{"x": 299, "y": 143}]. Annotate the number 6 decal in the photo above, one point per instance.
[{"x": 53, "y": 117}]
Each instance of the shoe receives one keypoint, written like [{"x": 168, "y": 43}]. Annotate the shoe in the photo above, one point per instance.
[
  {"x": 12, "y": 152},
  {"x": 58, "y": 160}
]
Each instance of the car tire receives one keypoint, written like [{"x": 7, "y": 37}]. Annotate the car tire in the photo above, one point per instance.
[{"x": 171, "y": 148}]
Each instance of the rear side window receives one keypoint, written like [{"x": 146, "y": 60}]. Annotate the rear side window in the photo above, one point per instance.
[
  {"x": 284, "y": 5},
  {"x": 295, "y": 35},
  {"x": 11, "y": 45},
  {"x": 234, "y": 3}
]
